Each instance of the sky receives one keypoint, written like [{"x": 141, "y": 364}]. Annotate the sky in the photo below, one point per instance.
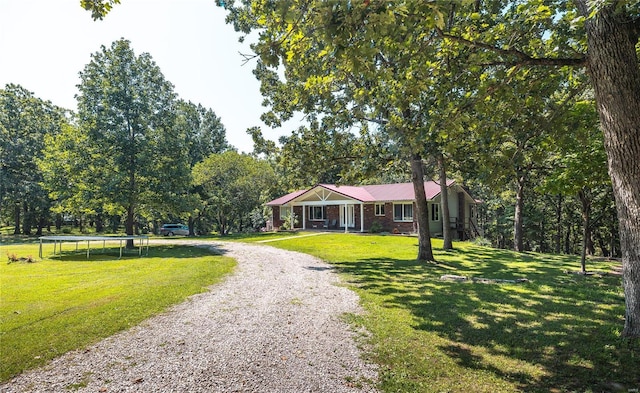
[{"x": 44, "y": 44}]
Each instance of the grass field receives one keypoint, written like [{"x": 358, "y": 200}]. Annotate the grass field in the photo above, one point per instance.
[
  {"x": 58, "y": 304},
  {"x": 558, "y": 332}
]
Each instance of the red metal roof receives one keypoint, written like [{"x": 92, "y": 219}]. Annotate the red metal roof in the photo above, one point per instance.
[
  {"x": 286, "y": 198},
  {"x": 354, "y": 192},
  {"x": 371, "y": 193}
]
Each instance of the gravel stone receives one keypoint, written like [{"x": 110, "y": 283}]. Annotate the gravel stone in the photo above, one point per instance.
[{"x": 272, "y": 326}]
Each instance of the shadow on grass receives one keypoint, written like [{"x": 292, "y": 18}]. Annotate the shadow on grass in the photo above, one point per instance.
[
  {"x": 566, "y": 326},
  {"x": 17, "y": 239},
  {"x": 99, "y": 254}
]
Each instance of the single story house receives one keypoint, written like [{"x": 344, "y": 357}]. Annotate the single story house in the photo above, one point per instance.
[{"x": 389, "y": 207}]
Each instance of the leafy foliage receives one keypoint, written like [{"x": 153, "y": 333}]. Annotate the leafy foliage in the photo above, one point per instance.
[
  {"x": 25, "y": 124},
  {"x": 126, "y": 104},
  {"x": 231, "y": 187}
]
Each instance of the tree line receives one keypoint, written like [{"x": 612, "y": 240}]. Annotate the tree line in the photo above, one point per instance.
[{"x": 134, "y": 155}]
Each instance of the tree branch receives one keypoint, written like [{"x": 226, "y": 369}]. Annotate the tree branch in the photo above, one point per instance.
[{"x": 521, "y": 58}]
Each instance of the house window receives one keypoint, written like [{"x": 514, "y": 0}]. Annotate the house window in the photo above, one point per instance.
[
  {"x": 316, "y": 213},
  {"x": 379, "y": 209},
  {"x": 285, "y": 212},
  {"x": 435, "y": 212},
  {"x": 403, "y": 212}
]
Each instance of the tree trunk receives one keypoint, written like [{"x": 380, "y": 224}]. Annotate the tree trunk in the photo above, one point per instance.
[
  {"x": 500, "y": 240},
  {"x": 27, "y": 218},
  {"x": 444, "y": 202},
  {"x": 585, "y": 203},
  {"x": 222, "y": 224},
  {"x": 543, "y": 242},
  {"x": 99, "y": 223},
  {"x": 129, "y": 225},
  {"x": 16, "y": 219},
  {"x": 615, "y": 240},
  {"x": 425, "y": 252},
  {"x": 558, "y": 239},
  {"x": 602, "y": 244},
  {"x": 517, "y": 216},
  {"x": 42, "y": 222},
  {"x": 191, "y": 224},
  {"x": 613, "y": 69}
]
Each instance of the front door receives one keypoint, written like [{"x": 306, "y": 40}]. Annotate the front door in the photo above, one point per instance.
[{"x": 347, "y": 216}]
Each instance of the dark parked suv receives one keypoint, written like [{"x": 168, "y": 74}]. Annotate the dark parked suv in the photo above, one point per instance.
[{"x": 174, "y": 229}]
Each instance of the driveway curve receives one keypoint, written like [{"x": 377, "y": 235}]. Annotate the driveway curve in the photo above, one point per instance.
[{"x": 272, "y": 326}]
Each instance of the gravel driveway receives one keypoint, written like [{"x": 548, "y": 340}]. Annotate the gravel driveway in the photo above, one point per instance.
[{"x": 272, "y": 326}]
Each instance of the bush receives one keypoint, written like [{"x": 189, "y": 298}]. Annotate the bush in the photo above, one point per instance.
[
  {"x": 376, "y": 227},
  {"x": 482, "y": 241},
  {"x": 286, "y": 225}
]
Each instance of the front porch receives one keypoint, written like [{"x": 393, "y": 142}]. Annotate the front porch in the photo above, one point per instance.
[{"x": 346, "y": 216}]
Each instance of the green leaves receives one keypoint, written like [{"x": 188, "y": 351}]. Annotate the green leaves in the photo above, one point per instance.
[
  {"x": 232, "y": 185},
  {"x": 25, "y": 123},
  {"x": 128, "y": 112},
  {"x": 98, "y": 8}
]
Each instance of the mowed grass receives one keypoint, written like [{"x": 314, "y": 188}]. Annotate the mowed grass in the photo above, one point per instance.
[
  {"x": 67, "y": 302},
  {"x": 558, "y": 332}
]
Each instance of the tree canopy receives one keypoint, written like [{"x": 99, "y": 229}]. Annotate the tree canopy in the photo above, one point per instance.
[
  {"x": 232, "y": 187},
  {"x": 25, "y": 123},
  {"x": 347, "y": 61},
  {"x": 125, "y": 103}
]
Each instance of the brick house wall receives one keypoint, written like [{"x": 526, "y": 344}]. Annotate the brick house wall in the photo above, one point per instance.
[
  {"x": 386, "y": 221},
  {"x": 332, "y": 212},
  {"x": 277, "y": 222},
  {"x": 275, "y": 217}
]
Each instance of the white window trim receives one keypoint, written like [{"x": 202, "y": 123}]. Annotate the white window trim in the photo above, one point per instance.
[
  {"x": 284, "y": 216},
  {"x": 404, "y": 219},
  {"x": 376, "y": 209},
  {"x": 311, "y": 215},
  {"x": 435, "y": 208}
]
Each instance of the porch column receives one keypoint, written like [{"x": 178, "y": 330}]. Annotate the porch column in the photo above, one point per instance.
[
  {"x": 362, "y": 217},
  {"x": 292, "y": 219},
  {"x": 304, "y": 217},
  {"x": 346, "y": 218}
]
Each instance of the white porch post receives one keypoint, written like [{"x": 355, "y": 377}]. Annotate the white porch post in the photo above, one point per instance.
[
  {"x": 291, "y": 219},
  {"x": 346, "y": 218},
  {"x": 304, "y": 217},
  {"x": 362, "y": 217}
]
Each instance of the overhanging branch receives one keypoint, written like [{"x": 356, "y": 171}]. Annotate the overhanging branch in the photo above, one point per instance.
[{"x": 520, "y": 58}]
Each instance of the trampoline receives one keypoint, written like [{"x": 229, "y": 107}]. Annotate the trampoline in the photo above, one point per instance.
[{"x": 58, "y": 240}]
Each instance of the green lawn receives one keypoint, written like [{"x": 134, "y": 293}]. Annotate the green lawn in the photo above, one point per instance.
[
  {"x": 58, "y": 304},
  {"x": 557, "y": 333}
]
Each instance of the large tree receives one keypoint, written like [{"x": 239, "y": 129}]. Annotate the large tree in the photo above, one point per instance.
[
  {"x": 511, "y": 137},
  {"x": 205, "y": 135},
  {"x": 579, "y": 167},
  {"x": 25, "y": 122},
  {"x": 612, "y": 36},
  {"x": 127, "y": 108},
  {"x": 601, "y": 38}
]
